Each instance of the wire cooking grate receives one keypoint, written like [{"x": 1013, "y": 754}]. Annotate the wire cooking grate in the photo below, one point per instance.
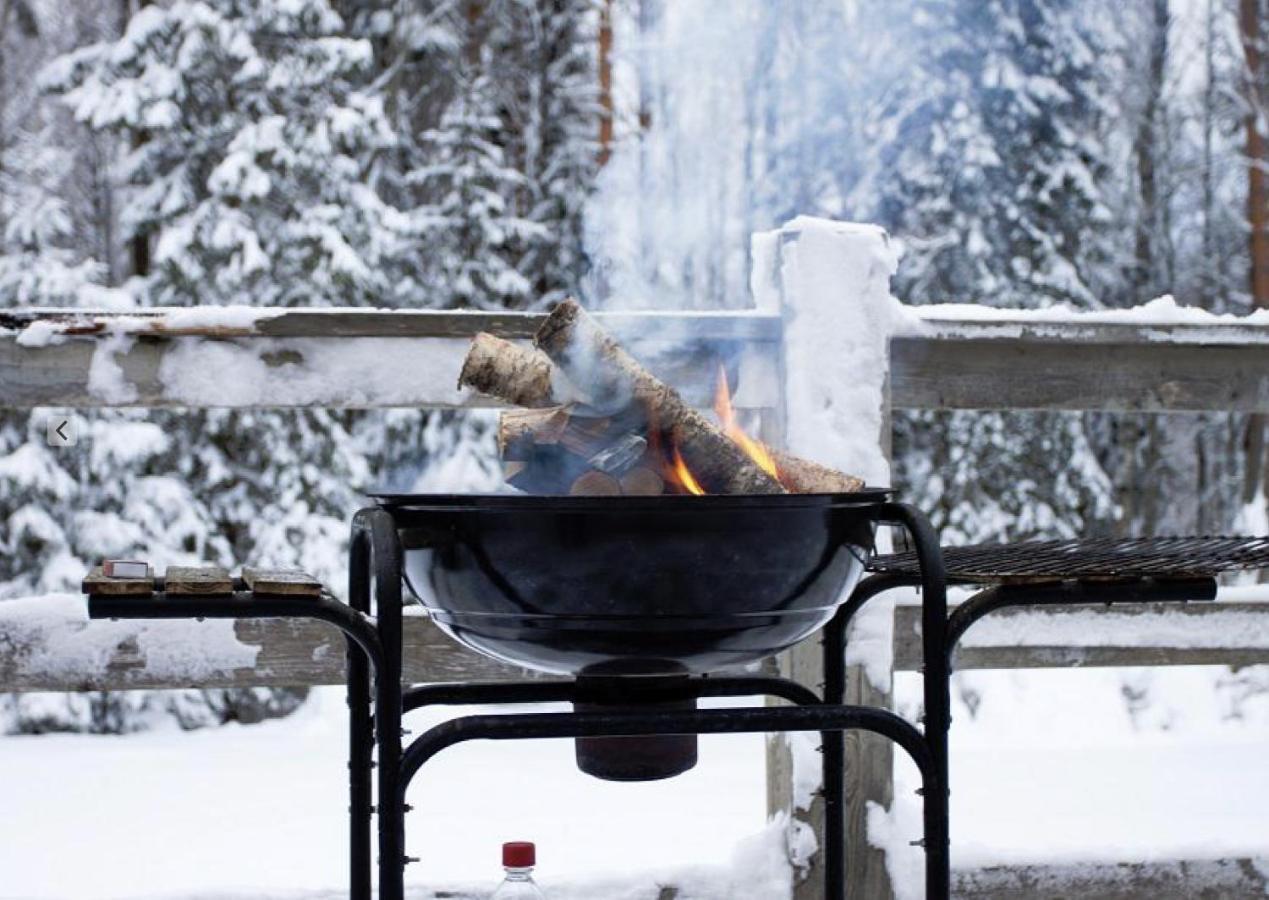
[{"x": 1168, "y": 557}]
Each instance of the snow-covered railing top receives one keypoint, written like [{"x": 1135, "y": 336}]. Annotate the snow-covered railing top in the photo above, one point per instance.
[{"x": 1159, "y": 357}]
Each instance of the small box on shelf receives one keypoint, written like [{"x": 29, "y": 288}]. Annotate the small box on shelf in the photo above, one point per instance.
[{"x": 125, "y": 568}]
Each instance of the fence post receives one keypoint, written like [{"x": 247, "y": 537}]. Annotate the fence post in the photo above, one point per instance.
[{"x": 831, "y": 283}]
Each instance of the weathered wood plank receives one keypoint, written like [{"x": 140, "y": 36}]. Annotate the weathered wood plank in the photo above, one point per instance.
[
  {"x": 281, "y": 582},
  {"x": 1220, "y": 633},
  {"x": 334, "y": 372},
  {"x": 335, "y": 358},
  {"x": 68, "y": 653},
  {"x": 739, "y": 325},
  {"x": 1080, "y": 328},
  {"x": 1228, "y": 879},
  {"x": 97, "y": 582},
  {"x": 952, "y": 372},
  {"x": 197, "y": 580},
  {"x": 299, "y": 653}
]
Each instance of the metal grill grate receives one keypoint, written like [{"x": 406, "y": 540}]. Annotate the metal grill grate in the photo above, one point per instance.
[{"x": 1178, "y": 557}]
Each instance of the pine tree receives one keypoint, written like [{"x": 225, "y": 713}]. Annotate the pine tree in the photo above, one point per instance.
[
  {"x": 259, "y": 138},
  {"x": 254, "y": 180},
  {"x": 544, "y": 53},
  {"x": 994, "y": 184},
  {"x": 278, "y": 153},
  {"x": 471, "y": 226},
  {"x": 995, "y": 177}
]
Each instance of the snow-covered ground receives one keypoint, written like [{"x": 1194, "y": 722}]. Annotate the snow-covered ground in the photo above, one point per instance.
[{"x": 1051, "y": 767}]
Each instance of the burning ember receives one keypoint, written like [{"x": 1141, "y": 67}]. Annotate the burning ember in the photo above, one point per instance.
[
  {"x": 617, "y": 441},
  {"x": 681, "y": 475},
  {"x": 756, "y": 450}
]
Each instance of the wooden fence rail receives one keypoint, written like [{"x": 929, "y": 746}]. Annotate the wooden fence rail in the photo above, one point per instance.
[
  {"x": 69, "y": 653},
  {"x": 335, "y": 358}
]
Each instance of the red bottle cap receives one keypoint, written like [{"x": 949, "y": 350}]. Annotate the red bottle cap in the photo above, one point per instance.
[{"x": 518, "y": 854}]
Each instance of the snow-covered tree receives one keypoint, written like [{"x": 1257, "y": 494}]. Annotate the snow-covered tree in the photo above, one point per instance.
[
  {"x": 253, "y": 176},
  {"x": 544, "y": 57},
  {"x": 252, "y": 183},
  {"x": 995, "y": 178},
  {"x": 474, "y": 234}
]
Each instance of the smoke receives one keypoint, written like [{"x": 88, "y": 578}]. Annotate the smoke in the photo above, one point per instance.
[{"x": 732, "y": 116}]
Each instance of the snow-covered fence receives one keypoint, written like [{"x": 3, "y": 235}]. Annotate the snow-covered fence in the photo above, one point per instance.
[
  {"x": 823, "y": 357},
  {"x": 941, "y": 357}
]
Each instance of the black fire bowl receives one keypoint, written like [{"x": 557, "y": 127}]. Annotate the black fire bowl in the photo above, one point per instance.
[{"x": 622, "y": 588}]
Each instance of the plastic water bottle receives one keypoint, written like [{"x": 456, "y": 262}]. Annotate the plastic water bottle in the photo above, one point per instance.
[{"x": 518, "y": 859}]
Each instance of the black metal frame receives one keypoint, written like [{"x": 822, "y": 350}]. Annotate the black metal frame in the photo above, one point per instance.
[
  {"x": 377, "y": 699},
  {"x": 377, "y": 555}
]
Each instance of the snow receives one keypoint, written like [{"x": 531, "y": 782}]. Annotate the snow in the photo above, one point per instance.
[
  {"x": 1161, "y": 311},
  {"x": 41, "y": 334},
  {"x": 1056, "y": 750},
  {"x": 167, "y": 814},
  {"x": 231, "y": 318},
  {"x": 106, "y": 378},
  {"x": 30, "y": 468},
  {"x": 314, "y": 371},
  {"x": 1052, "y": 767},
  {"x": 839, "y": 315},
  {"x": 121, "y": 444},
  {"x": 1225, "y": 629},
  {"x": 807, "y": 774},
  {"x": 1162, "y": 319}
]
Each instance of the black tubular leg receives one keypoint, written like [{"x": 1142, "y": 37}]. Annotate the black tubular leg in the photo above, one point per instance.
[
  {"x": 936, "y": 677},
  {"x": 834, "y": 742},
  {"x": 386, "y": 558},
  {"x": 360, "y": 736},
  {"x": 834, "y": 761}
]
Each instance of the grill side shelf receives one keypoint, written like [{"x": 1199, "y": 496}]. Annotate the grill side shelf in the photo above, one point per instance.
[{"x": 1090, "y": 559}]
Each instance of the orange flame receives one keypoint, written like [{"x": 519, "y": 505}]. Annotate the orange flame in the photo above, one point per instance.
[
  {"x": 727, "y": 416},
  {"x": 683, "y": 475}
]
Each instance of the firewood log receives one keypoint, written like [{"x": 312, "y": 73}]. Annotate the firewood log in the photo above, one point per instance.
[
  {"x": 642, "y": 481},
  {"x": 517, "y": 375},
  {"x": 519, "y": 428},
  {"x": 587, "y": 435},
  {"x": 801, "y": 476},
  {"x": 595, "y": 484},
  {"x": 613, "y": 378},
  {"x": 552, "y": 425}
]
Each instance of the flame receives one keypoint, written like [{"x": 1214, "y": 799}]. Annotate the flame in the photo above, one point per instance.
[
  {"x": 683, "y": 475},
  {"x": 727, "y": 416}
]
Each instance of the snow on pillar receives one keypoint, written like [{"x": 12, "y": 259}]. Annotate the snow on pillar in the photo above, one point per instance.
[{"x": 831, "y": 283}]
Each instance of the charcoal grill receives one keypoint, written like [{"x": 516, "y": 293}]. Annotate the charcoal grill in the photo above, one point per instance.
[
  {"x": 641, "y": 600},
  {"x": 633, "y": 586},
  {"x": 639, "y": 590}
]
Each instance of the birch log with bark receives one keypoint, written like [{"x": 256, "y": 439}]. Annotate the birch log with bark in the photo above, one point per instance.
[
  {"x": 517, "y": 375},
  {"x": 614, "y": 379},
  {"x": 801, "y": 476}
]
